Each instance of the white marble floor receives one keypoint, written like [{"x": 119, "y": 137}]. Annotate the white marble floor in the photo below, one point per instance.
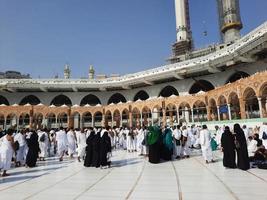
[{"x": 132, "y": 177}]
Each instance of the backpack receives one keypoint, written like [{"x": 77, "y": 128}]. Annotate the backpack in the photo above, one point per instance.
[
  {"x": 264, "y": 136},
  {"x": 42, "y": 138}
]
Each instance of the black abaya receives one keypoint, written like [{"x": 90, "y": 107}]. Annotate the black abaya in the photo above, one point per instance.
[
  {"x": 154, "y": 153},
  {"x": 33, "y": 151},
  {"x": 89, "y": 150},
  {"x": 228, "y": 145},
  {"x": 96, "y": 150},
  {"x": 105, "y": 147},
  {"x": 242, "y": 152}
]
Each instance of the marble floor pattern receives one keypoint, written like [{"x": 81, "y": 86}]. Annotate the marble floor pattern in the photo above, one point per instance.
[{"x": 133, "y": 177}]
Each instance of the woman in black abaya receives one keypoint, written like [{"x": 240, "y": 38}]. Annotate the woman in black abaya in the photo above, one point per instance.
[
  {"x": 242, "y": 151},
  {"x": 33, "y": 151},
  {"x": 105, "y": 148},
  {"x": 96, "y": 150},
  {"x": 228, "y": 148},
  {"x": 89, "y": 150},
  {"x": 153, "y": 140}
]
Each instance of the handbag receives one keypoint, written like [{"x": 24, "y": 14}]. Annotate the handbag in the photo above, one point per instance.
[{"x": 264, "y": 136}]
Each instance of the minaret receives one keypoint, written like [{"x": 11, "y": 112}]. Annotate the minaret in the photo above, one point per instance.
[
  {"x": 229, "y": 20},
  {"x": 67, "y": 71},
  {"x": 183, "y": 31},
  {"x": 91, "y": 74}
]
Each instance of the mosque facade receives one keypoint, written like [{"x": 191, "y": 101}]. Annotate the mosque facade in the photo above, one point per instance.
[{"x": 222, "y": 82}]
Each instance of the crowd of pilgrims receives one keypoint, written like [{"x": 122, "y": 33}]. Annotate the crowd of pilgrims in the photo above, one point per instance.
[{"x": 94, "y": 146}]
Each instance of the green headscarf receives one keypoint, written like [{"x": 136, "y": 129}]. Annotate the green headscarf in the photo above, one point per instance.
[
  {"x": 167, "y": 139},
  {"x": 153, "y": 135}
]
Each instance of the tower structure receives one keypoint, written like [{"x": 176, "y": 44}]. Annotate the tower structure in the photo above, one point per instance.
[
  {"x": 183, "y": 31},
  {"x": 91, "y": 73},
  {"x": 229, "y": 20},
  {"x": 67, "y": 71}
]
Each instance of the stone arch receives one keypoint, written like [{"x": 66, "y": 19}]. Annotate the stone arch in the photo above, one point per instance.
[
  {"x": 157, "y": 115},
  {"x": 11, "y": 120},
  {"x": 62, "y": 119},
  {"x": 142, "y": 95},
  {"x": 30, "y": 99},
  {"x": 185, "y": 114},
  {"x": 237, "y": 76},
  {"x": 223, "y": 108},
  {"x": 136, "y": 117},
  {"x": 117, "y": 98},
  {"x": 108, "y": 118},
  {"x": 98, "y": 117},
  {"x": 87, "y": 120},
  {"x": 3, "y": 100},
  {"x": 213, "y": 109},
  {"x": 125, "y": 117},
  {"x": 24, "y": 120},
  {"x": 171, "y": 114},
  {"x": 234, "y": 104},
  {"x": 2, "y": 121},
  {"x": 90, "y": 99},
  {"x": 117, "y": 118},
  {"x": 263, "y": 98},
  {"x": 51, "y": 120},
  {"x": 168, "y": 91},
  {"x": 201, "y": 85},
  {"x": 75, "y": 120},
  {"x": 200, "y": 111},
  {"x": 147, "y": 116},
  {"x": 251, "y": 103},
  {"x": 38, "y": 120},
  {"x": 61, "y": 100}
]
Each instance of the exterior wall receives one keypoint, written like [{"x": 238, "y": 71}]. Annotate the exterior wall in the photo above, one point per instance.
[
  {"x": 182, "y": 86},
  {"x": 136, "y": 111}
]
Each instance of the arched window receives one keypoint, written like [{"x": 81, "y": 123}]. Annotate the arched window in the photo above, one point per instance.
[
  {"x": 3, "y": 100},
  {"x": 116, "y": 98},
  {"x": 168, "y": 91},
  {"x": 236, "y": 76},
  {"x": 61, "y": 100},
  {"x": 91, "y": 100},
  {"x": 142, "y": 95},
  {"x": 31, "y": 99},
  {"x": 201, "y": 85}
]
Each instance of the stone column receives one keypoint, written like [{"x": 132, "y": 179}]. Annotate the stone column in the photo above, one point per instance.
[
  {"x": 121, "y": 120},
  {"x": 152, "y": 120},
  {"x": 130, "y": 123},
  {"x": 260, "y": 107},
  {"x": 93, "y": 121},
  {"x": 163, "y": 117},
  {"x": 178, "y": 116},
  {"x": 112, "y": 120},
  {"x": 242, "y": 108},
  {"x": 192, "y": 112},
  {"x": 141, "y": 119},
  {"x": 218, "y": 113},
  {"x": 229, "y": 111},
  {"x": 5, "y": 123},
  {"x": 208, "y": 113}
]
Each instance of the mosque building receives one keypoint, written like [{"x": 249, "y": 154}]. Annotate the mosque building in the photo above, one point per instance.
[{"x": 222, "y": 82}]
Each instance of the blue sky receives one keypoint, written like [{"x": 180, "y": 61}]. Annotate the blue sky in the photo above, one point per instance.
[{"x": 116, "y": 36}]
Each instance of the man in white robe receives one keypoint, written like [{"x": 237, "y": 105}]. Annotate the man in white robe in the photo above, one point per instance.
[
  {"x": 81, "y": 142},
  {"x": 263, "y": 134},
  {"x": 62, "y": 143},
  {"x": 22, "y": 151},
  {"x": 140, "y": 138},
  {"x": 205, "y": 142},
  {"x": 185, "y": 151},
  {"x": 43, "y": 144},
  {"x": 71, "y": 142},
  {"x": 177, "y": 134}
]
